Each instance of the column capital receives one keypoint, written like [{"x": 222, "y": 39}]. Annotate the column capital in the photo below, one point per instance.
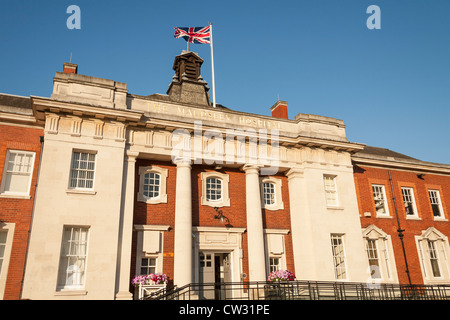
[
  {"x": 251, "y": 168},
  {"x": 182, "y": 162},
  {"x": 294, "y": 172},
  {"x": 131, "y": 155}
]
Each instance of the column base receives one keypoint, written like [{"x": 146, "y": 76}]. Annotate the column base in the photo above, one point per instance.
[{"x": 124, "y": 295}]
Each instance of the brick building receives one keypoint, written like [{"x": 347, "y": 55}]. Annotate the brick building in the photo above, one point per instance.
[
  {"x": 167, "y": 183},
  {"x": 20, "y": 150},
  {"x": 397, "y": 192}
]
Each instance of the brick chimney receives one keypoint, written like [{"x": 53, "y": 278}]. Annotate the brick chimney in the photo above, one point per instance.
[
  {"x": 70, "y": 68},
  {"x": 279, "y": 110}
]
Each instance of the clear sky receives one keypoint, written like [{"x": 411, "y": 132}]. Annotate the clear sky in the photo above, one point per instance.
[{"x": 390, "y": 86}]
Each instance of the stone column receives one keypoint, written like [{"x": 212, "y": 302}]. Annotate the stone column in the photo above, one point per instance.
[
  {"x": 183, "y": 224},
  {"x": 255, "y": 232},
  {"x": 302, "y": 234},
  {"x": 126, "y": 228}
]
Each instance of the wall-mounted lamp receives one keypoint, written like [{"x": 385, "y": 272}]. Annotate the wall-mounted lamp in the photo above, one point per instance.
[
  {"x": 219, "y": 215},
  {"x": 420, "y": 175}
]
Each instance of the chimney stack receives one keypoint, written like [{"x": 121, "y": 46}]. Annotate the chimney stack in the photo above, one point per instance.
[
  {"x": 279, "y": 110},
  {"x": 70, "y": 68}
]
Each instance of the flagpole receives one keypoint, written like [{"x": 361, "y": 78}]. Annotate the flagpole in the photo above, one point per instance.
[{"x": 212, "y": 67}]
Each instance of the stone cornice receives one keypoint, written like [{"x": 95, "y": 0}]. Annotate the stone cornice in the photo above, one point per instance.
[
  {"x": 398, "y": 164},
  {"x": 43, "y": 105}
]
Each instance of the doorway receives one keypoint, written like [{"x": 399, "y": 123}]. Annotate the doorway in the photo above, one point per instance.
[{"x": 215, "y": 272}]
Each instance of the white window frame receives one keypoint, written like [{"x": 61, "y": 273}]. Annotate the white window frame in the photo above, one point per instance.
[
  {"x": 15, "y": 194},
  {"x": 274, "y": 266},
  {"x": 339, "y": 258},
  {"x": 77, "y": 187},
  {"x": 434, "y": 257},
  {"x": 9, "y": 228},
  {"x": 225, "y": 199},
  {"x": 331, "y": 190},
  {"x": 163, "y": 174},
  {"x": 62, "y": 272},
  {"x": 278, "y": 199},
  {"x": 441, "y": 253},
  {"x": 376, "y": 197},
  {"x": 409, "y": 193},
  {"x": 214, "y": 189},
  {"x": 148, "y": 257},
  {"x": 436, "y": 198},
  {"x": 385, "y": 252}
]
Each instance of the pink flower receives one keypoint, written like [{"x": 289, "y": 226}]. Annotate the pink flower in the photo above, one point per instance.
[{"x": 281, "y": 275}]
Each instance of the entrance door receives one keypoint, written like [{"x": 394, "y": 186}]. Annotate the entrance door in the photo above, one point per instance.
[{"x": 215, "y": 270}]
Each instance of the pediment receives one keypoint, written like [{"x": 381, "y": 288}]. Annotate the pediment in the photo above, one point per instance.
[{"x": 373, "y": 232}]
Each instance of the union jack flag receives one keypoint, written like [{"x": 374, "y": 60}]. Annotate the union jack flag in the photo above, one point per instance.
[{"x": 194, "y": 34}]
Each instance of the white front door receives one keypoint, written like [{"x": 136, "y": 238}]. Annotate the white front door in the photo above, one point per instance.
[{"x": 215, "y": 269}]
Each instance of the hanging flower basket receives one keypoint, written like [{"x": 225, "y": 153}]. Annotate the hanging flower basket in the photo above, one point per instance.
[{"x": 281, "y": 275}]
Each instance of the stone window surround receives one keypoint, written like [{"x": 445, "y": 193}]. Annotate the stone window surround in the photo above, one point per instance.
[
  {"x": 225, "y": 200},
  {"x": 386, "y": 257},
  {"x": 443, "y": 253},
  {"x": 278, "y": 183},
  {"x": 163, "y": 173}
]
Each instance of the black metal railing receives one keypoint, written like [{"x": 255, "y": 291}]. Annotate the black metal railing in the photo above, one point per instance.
[{"x": 302, "y": 290}]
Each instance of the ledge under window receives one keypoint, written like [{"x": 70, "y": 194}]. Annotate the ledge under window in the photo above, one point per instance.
[
  {"x": 72, "y": 292},
  {"x": 80, "y": 191},
  {"x": 15, "y": 196},
  {"x": 335, "y": 208}
]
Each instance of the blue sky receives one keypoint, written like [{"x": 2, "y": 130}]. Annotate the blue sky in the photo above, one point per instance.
[{"x": 390, "y": 86}]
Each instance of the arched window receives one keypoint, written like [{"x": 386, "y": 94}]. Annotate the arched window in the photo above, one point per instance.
[
  {"x": 213, "y": 189},
  {"x": 271, "y": 197},
  {"x": 152, "y": 184},
  {"x": 269, "y": 193}
]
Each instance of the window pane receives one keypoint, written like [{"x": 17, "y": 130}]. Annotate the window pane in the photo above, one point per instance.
[
  {"x": 83, "y": 168},
  {"x": 3, "y": 235},
  {"x": 378, "y": 195},
  {"x": 330, "y": 190},
  {"x": 338, "y": 256},
  {"x": 435, "y": 202},
  {"x": 73, "y": 257},
  {"x": 434, "y": 260},
  {"x": 372, "y": 254},
  {"x": 408, "y": 201},
  {"x": 269, "y": 193},
  {"x": 213, "y": 189},
  {"x": 151, "y": 184},
  {"x": 18, "y": 169}
]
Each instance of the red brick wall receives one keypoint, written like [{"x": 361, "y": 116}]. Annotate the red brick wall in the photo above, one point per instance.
[
  {"x": 202, "y": 215},
  {"x": 366, "y": 176},
  {"x": 18, "y": 211}
]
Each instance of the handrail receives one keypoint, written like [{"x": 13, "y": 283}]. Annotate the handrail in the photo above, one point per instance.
[{"x": 302, "y": 290}]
